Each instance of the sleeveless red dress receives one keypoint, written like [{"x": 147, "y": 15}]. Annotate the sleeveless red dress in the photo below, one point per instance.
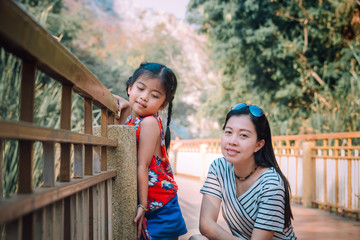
[{"x": 162, "y": 186}]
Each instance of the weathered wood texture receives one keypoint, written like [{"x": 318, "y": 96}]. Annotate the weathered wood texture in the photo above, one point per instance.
[{"x": 79, "y": 205}]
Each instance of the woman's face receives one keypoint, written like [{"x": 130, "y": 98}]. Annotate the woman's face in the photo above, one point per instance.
[{"x": 239, "y": 140}]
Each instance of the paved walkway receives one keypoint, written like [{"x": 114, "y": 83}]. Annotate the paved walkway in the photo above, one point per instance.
[{"x": 309, "y": 224}]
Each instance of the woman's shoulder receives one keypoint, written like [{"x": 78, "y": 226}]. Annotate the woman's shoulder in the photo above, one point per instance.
[
  {"x": 271, "y": 179},
  {"x": 220, "y": 164}
]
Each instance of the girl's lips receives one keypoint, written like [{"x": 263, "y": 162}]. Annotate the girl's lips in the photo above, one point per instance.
[{"x": 141, "y": 105}]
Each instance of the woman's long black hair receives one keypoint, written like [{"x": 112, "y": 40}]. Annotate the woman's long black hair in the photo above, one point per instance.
[
  {"x": 168, "y": 81},
  {"x": 265, "y": 157}
]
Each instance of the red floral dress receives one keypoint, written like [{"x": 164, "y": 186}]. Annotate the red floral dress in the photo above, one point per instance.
[{"x": 162, "y": 186}]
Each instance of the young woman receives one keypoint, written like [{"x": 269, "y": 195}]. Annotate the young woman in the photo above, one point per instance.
[{"x": 247, "y": 182}]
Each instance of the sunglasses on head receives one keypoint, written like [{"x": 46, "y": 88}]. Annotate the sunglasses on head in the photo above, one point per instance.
[
  {"x": 254, "y": 110},
  {"x": 153, "y": 67}
]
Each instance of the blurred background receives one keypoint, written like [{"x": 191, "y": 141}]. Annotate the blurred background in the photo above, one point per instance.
[{"x": 298, "y": 60}]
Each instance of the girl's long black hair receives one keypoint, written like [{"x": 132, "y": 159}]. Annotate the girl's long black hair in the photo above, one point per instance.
[
  {"x": 168, "y": 81},
  {"x": 265, "y": 157}
]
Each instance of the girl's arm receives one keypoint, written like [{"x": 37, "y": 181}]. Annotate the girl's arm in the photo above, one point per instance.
[
  {"x": 209, "y": 213},
  {"x": 123, "y": 108},
  {"x": 148, "y": 141}
]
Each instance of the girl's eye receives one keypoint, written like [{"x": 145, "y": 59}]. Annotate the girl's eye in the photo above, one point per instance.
[
  {"x": 154, "y": 96},
  {"x": 140, "y": 88}
]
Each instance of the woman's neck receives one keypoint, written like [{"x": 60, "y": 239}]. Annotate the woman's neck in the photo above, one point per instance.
[{"x": 245, "y": 170}]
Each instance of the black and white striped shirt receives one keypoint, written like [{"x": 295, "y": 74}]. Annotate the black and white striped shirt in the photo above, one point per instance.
[{"x": 262, "y": 206}]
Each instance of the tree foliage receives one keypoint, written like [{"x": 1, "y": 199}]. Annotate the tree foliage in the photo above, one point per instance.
[{"x": 297, "y": 59}]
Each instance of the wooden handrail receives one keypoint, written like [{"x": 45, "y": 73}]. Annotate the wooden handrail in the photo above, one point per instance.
[
  {"x": 29, "y": 131},
  {"x": 22, "y": 204}
]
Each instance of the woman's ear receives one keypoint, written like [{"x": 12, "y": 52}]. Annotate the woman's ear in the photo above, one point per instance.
[
  {"x": 259, "y": 145},
  {"x": 129, "y": 90},
  {"x": 163, "y": 106}
]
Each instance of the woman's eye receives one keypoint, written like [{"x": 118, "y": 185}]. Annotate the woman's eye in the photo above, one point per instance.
[
  {"x": 227, "y": 132},
  {"x": 243, "y": 135}
]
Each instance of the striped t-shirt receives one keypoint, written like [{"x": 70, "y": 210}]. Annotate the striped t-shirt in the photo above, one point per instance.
[{"x": 262, "y": 206}]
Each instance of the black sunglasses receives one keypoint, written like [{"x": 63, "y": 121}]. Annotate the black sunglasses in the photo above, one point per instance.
[{"x": 254, "y": 110}]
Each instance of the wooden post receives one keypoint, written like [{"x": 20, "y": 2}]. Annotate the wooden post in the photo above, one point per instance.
[
  {"x": 104, "y": 124},
  {"x": 25, "y": 176},
  {"x": 65, "y": 123},
  {"x": 88, "y": 122},
  {"x": 308, "y": 174},
  {"x": 49, "y": 164}
]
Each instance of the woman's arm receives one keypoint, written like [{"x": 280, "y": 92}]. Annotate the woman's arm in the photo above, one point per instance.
[
  {"x": 149, "y": 137},
  {"x": 123, "y": 108},
  {"x": 209, "y": 213}
]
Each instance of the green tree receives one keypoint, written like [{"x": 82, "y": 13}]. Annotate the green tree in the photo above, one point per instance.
[{"x": 283, "y": 56}]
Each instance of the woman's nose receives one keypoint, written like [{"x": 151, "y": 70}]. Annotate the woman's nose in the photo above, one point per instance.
[{"x": 233, "y": 139}]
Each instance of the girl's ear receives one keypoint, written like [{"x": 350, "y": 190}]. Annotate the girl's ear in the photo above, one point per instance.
[
  {"x": 163, "y": 106},
  {"x": 259, "y": 145}
]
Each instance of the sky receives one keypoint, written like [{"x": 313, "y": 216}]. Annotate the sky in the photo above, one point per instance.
[{"x": 176, "y": 7}]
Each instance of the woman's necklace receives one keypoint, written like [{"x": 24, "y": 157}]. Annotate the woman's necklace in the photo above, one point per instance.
[{"x": 244, "y": 178}]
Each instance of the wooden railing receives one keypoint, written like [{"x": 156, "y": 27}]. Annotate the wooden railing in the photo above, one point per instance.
[
  {"x": 78, "y": 206},
  {"x": 323, "y": 169}
]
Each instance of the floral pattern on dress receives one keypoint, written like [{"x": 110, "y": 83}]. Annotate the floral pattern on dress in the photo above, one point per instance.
[{"x": 162, "y": 186}]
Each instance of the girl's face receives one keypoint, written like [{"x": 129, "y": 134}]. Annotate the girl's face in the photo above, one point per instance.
[
  {"x": 146, "y": 97},
  {"x": 239, "y": 140}
]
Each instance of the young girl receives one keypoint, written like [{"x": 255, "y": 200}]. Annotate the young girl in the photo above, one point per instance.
[
  {"x": 150, "y": 89},
  {"x": 247, "y": 182}
]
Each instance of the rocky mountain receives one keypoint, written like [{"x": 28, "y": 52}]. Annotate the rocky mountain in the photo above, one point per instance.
[{"x": 130, "y": 34}]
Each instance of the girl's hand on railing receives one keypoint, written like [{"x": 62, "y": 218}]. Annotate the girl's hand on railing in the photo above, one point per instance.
[{"x": 123, "y": 108}]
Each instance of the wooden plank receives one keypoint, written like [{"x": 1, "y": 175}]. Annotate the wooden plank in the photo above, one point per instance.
[
  {"x": 27, "y": 131},
  {"x": 66, "y": 101},
  {"x": 2, "y": 167},
  {"x": 109, "y": 209},
  {"x": 97, "y": 159},
  {"x": 52, "y": 57},
  {"x": 88, "y": 129},
  {"x": 104, "y": 133},
  {"x": 59, "y": 220},
  {"x": 85, "y": 206},
  {"x": 26, "y": 114},
  {"x": 67, "y": 218},
  {"x": 14, "y": 230},
  {"x": 91, "y": 214},
  {"x": 40, "y": 225},
  {"x": 65, "y": 123},
  {"x": 28, "y": 226},
  {"x": 65, "y": 166},
  {"x": 49, "y": 164},
  {"x": 25, "y": 176},
  {"x": 78, "y": 160},
  {"x": 21, "y": 204},
  {"x": 89, "y": 164},
  {"x": 50, "y": 221},
  {"x": 27, "y": 94}
]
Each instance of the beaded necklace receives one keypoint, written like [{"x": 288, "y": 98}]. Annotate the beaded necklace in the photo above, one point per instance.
[{"x": 244, "y": 178}]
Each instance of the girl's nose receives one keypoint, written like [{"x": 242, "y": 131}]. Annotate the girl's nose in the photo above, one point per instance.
[{"x": 144, "y": 97}]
